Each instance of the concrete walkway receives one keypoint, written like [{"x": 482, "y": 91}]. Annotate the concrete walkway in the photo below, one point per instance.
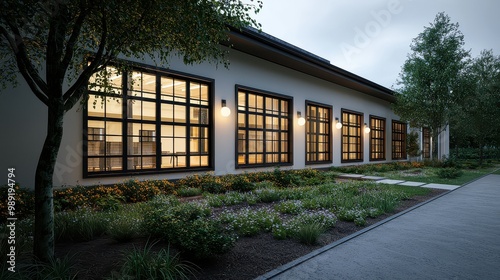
[
  {"x": 455, "y": 236},
  {"x": 382, "y": 180}
]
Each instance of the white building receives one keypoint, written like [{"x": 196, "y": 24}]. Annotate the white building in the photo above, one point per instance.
[{"x": 169, "y": 124}]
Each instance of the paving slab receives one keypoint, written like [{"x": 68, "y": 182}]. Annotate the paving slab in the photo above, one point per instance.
[
  {"x": 351, "y": 176},
  {"x": 372, "y": 178},
  {"x": 441, "y": 186},
  {"x": 454, "y": 236},
  {"x": 390, "y": 182},
  {"x": 412, "y": 184}
]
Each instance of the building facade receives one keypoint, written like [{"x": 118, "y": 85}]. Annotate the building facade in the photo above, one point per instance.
[{"x": 276, "y": 105}]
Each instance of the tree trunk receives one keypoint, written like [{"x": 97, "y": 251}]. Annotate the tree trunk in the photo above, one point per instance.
[
  {"x": 434, "y": 155},
  {"x": 43, "y": 247},
  {"x": 481, "y": 154}
]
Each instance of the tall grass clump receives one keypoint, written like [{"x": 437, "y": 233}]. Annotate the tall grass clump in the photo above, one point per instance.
[{"x": 146, "y": 264}]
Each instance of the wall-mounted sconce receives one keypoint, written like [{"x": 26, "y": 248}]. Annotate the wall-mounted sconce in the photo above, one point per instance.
[
  {"x": 225, "y": 111},
  {"x": 367, "y": 129},
  {"x": 338, "y": 124},
  {"x": 301, "y": 121}
]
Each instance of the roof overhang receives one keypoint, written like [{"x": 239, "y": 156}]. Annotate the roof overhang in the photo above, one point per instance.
[{"x": 274, "y": 50}]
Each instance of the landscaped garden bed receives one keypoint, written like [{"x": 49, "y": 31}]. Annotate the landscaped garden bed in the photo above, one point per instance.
[{"x": 236, "y": 227}]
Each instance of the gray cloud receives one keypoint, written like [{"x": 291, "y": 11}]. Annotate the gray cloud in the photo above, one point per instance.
[{"x": 372, "y": 38}]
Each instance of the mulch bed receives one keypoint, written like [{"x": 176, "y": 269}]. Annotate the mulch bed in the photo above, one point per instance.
[{"x": 251, "y": 256}]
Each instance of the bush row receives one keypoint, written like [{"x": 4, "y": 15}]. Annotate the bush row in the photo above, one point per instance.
[
  {"x": 378, "y": 167},
  {"x": 105, "y": 197}
]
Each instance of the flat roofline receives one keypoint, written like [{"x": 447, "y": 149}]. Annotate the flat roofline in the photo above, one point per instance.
[{"x": 270, "y": 48}]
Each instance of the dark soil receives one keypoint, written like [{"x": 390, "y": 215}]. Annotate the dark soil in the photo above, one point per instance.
[{"x": 251, "y": 256}]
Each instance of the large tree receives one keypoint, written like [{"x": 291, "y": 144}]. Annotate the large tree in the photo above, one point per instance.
[
  {"x": 480, "y": 110},
  {"x": 57, "y": 45},
  {"x": 431, "y": 77}
]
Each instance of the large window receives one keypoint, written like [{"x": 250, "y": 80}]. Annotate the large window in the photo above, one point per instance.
[
  {"x": 352, "y": 142},
  {"x": 398, "y": 140},
  {"x": 377, "y": 138},
  {"x": 426, "y": 142},
  {"x": 264, "y": 128},
  {"x": 318, "y": 133},
  {"x": 153, "y": 121}
]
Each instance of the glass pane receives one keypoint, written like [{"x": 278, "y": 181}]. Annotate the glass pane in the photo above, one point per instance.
[
  {"x": 167, "y": 88},
  {"x": 180, "y": 90},
  {"x": 241, "y": 120},
  {"x": 180, "y": 145},
  {"x": 95, "y": 164},
  {"x": 113, "y": 128},
  {"x": 241, "y": 100},
  {"x": 149, "y": 85},
  {"x": 110, "y": 78},
  {"x": 148, "y": 111},
  {"x": 134, "y": 109},
  {"x": 114, "y": 108},
  {"x": 180, "y": 113},
  {"x": 204, "y": 92},
  {"x": 95, "y": 148},
  {"x": 114, "y": 163},
  {"x": 95, "y": 106},
  {"x": 195, "y": 92},
  {"x": 167, "y": 112},
  {"x": 241, "y": 159}
]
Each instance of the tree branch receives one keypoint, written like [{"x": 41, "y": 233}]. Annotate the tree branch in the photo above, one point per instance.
[
  {"x": 70, "y": 46},
  {"x": 31, "y": 76},
  {"x": 74, "y": 93}
]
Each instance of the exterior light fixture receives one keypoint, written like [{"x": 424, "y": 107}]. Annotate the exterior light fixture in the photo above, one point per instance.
[
  {"x": 225, "y": 111},
  {"x": 338, "y": 124},
  {"x": 301, "y": 121},
  {"x": 367, "y": 129}
]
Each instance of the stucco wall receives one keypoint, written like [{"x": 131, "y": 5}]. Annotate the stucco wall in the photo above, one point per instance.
[{"x": 23, "y": 117}]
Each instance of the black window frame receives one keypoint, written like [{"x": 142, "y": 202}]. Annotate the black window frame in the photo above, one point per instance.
[
  {"x": 125, "y": 121},
  {"x": 345, "y": 127},
  {"x": 245, "y": 152},
  {"x": 399, "y": 136},
  {"x": 375, "y": 140},
  {"x": 326, "y": 136}
]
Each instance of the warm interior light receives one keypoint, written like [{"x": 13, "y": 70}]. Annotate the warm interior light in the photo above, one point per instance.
[
  {"x": 338, "y": 124},
  {"x": 301, "y": 121},
  {"x": 225, "y": 111},
  {"x": 367, "y": 129}
]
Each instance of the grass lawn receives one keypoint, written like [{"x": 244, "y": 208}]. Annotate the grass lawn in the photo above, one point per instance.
[
  {"x": 428, "y": 175},
  {"x": 497, "y": 172}
]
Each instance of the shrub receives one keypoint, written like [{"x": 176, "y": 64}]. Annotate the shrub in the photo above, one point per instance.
[
  {"x": 290, "y": 228},
  {"x": 124, "y": 228},
  {"x": 449, "y": 173},
  {"x": 212, "y": 187},
  {"x": 249, "y": 222},
  {"x": 289, "y": 207},
  {"x": 80, "y": 225},
  {"x": 109, "y": 203},
  {"x": 285, "y": 179},
  {"x": 186, "y": 192},
  {"x": 190, "y": 227},
  {"x": 309, "y": 233},
  {"x": 137, "y": 191},
  {"x": 146, "y": 264},
  {"x": 241, "y": 183},
  {"x": 268, "y": 195}
]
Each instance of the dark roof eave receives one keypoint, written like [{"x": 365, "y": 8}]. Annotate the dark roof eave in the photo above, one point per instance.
[{"x": 279, "y": 52}]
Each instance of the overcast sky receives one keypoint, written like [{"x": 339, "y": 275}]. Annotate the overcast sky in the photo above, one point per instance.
[{"x": 372, "y": 38}]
